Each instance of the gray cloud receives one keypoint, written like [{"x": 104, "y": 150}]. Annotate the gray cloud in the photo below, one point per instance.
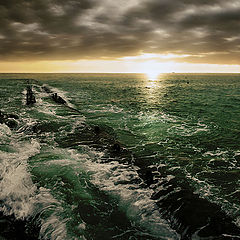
[{"x": 206, "y": 31}]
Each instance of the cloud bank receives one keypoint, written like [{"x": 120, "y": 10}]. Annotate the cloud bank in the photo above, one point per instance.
[{"x": 205, "y": 31}]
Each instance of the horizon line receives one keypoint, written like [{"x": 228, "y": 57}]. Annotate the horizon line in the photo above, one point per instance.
[{"x": 118, "y": 73}]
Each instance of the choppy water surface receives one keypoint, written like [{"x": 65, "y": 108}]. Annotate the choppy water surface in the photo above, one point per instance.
[{"x": 125, "y": 157}]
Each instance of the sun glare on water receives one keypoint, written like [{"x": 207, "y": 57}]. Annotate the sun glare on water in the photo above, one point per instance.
[{"x": 152, "y": 76}]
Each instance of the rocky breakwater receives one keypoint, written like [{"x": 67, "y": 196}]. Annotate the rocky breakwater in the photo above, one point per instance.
[{"x": 9, "y": 119}]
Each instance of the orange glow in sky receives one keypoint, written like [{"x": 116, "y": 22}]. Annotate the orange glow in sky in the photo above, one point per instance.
[{"x": 151, "y": 64}]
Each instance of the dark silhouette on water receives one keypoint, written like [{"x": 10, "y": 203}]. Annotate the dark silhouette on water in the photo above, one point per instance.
[
  {"x": 116, "y": 147},
  {"x": 97, "y": 129},
  {"x": 16, "y": 229},
  {"x": 9, "y": 119},
  {"x": 30, "y": 98},
  {"x": 58, "y": 99},
  {"x": 46, "y": 89}
]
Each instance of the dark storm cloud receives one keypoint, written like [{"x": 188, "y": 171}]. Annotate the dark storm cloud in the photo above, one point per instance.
[{"x": 204, "y": 30}]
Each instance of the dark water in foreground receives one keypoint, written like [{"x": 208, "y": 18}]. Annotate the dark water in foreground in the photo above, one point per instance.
[{"x": 125, "y": 158}]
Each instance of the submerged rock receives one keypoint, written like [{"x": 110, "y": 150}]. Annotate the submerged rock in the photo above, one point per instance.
[
  {"x": 101, "y": 138},
  {"x": 9, "y": 119},
  {"x": 14, "y": 229},
  {"x": 46, "y": 126},
  {"x": 190, "y": 215},
  {"x": 46, "y": 89},
  {"x": 14, "y": 116},
  {"x": 116, "y": 147},
  {"x": 11, "y": 123}
]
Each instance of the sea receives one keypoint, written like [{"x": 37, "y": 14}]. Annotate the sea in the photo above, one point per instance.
[{"x": 119, "y": 156}]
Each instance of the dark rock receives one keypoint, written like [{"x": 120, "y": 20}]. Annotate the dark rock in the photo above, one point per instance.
[
  {"x": 116, "y": 147},
  {"x": 58, "y": 99},
  {"x": 11, "y": 123},
  {"x": 12, "y": 116},
  {"x": 97, "y": 129},
  {"x": 149, "y": 177},
  {"x": 46, "y": 89},
  {"x": 237, "y": 157},
  {"x": 14, "y": 229},
  {"x": 8, "y": 119},
  {"x": 30, "y": 98}
]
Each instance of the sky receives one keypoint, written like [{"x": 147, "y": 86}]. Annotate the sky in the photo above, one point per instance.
[{"x": 119, "y": 36}]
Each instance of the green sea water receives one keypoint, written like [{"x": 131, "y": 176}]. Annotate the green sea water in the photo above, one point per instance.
[{"x": 176, "y": 174}]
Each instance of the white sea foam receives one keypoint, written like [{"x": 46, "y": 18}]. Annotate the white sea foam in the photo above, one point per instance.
[
  {"x": 19, "y": 196},
  {"x": 62, "y": 94},
  {"x": 16, "y": 188},
  {"x": 184, "y": 129},
  {"x": 50, "y": 209},
  {"x": 118, "y": 180},
  {"x": 106, "y": 108},
  {"x": 4, "y": 131}
]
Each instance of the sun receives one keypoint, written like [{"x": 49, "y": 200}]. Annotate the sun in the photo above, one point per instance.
[
  {"x": 151, "y": 68},
  {"x": 152, "y": 75}
]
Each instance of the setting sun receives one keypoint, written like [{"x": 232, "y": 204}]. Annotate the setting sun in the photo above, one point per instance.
[{"x": 152, "y": 75}]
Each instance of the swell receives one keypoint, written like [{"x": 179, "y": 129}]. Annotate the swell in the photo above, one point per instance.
[{"x": 191, "y": 215}]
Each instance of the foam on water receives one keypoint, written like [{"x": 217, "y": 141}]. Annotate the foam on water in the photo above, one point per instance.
[
  {"x": 212, "y": 193},
  {"x": 4, "y": 131},
  {"x": 106, "y": 108},
  {"x": 171, "y": 125},
  {"x": 184, "y": 129},
  {"x": 62, "y": 94},
  {"x": 19, "y": 196},
  {"x": 16, "y": 188},
  {"x": 118, "y": 180},
  {"x": 50, "y": 209},
  {"x": 44, "y": 106}
]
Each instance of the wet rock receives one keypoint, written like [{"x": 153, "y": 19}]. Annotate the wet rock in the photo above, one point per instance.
[
  {"x": 15, "y": 229},
  {"x": 97, "y": 129},
  {"x": 9, "y": 119},
  {"x": 30, "y": 98},
  {"x": 11, "y": 123},
  {"x": 116, "y": 147},
  {"x": 14, "y": 116},
  {"x": 58, "y": 99},
  {"x": 189, "y": 214},
  {"x": 237, "y": 157},
  {"x": 46, "y": 126},
  {"x": 46, "y": 89}
]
